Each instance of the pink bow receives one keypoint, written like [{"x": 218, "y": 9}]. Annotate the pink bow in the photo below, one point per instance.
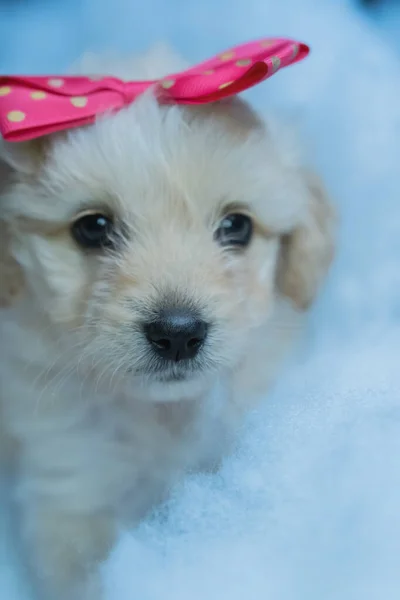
[{"x": 31, "y": 107}]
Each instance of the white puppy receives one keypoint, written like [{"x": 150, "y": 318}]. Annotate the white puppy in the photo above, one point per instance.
[{"x": 154, "y": 269}]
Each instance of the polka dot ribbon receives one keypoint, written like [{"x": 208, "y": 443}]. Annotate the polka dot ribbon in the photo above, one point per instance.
[{"x": 31, "y": 107}]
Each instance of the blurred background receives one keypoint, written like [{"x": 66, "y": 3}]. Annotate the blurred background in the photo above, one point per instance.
[{"x": 308, "y": 509}]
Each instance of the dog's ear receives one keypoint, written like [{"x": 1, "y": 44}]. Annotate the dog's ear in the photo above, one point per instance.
[
  {"x": 307, "y": 252},
  {"x": 16, "y": 160},
  {"x": 11, "y": 276}
]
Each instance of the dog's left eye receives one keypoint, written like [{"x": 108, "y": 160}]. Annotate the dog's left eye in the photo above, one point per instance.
[
  {"x": 93, "y": 230},
  {"x": 235, "y": 229}
]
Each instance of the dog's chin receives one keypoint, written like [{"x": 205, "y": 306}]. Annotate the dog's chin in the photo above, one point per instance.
[{"x": 171, "y": 387}]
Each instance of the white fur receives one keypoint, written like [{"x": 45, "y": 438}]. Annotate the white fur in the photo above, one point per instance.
[{"x": 92, "y": 442}]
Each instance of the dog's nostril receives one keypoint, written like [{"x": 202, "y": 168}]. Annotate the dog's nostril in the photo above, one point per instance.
[
  {"x": 194, "y": 342},
  {"x": 163, "y": 344},
  {"x": 176, "y": 335}
]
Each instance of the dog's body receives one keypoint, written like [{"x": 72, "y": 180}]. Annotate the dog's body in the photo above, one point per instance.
[{"x": 97, "y": 419}]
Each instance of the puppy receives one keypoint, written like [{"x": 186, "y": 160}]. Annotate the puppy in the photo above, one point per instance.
[{"x": 155, "y": 269}]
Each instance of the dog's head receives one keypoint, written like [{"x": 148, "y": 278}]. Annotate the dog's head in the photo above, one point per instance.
[{"x": 154, "y": 242}]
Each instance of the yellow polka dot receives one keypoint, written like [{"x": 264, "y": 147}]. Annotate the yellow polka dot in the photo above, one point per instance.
[
  {"x": 267, "y": 43},
  {"x": 295, "y": 50},
  {"x": 227, "y": 55},
  {"x": 79, "y": 101},
  {"x": 224, "y": 85},
  {"x": 167, "y": 83},
  {"x": 16, "y": 116},
  {"x": 38, "y": 95},
  {"x": 56, "y": 82},
  {"x": 5, "y": 90},
  {"x": 276, "y": 63},
  {"x": 243, "y": 62},
  {"x": 208, "y": 72}
]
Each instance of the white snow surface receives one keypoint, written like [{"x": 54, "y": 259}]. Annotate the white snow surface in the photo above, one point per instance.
[{"x": 309, "y": 507}]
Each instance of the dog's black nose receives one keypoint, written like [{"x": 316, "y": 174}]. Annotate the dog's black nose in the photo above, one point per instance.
[{"x": 176, "y": 334}]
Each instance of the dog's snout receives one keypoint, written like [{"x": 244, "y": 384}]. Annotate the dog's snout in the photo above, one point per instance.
[{"x": 176, "y": 334}]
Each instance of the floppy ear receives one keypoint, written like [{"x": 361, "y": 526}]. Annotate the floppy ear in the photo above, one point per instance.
[
  {"x": 307, "y": 252},
  {"x": 15, "y": 160},
  {"x": 11, "y": 277}
]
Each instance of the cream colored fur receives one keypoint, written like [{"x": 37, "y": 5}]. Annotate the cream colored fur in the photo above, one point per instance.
[{"x": 92, "y": 441}]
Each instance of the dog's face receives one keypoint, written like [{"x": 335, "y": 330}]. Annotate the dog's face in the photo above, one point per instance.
[{"x": 156, "y": 241}]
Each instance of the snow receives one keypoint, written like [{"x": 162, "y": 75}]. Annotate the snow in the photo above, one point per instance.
[{"x": 308, "y": 508}]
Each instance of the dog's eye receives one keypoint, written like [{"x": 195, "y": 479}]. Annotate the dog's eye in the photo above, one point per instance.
[
  {"x": 235, "y": 229},
  {"x": 93, "y": 230}
]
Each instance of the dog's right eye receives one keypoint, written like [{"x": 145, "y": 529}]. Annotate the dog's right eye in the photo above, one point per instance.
[{"x": 93, "y": 230}]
